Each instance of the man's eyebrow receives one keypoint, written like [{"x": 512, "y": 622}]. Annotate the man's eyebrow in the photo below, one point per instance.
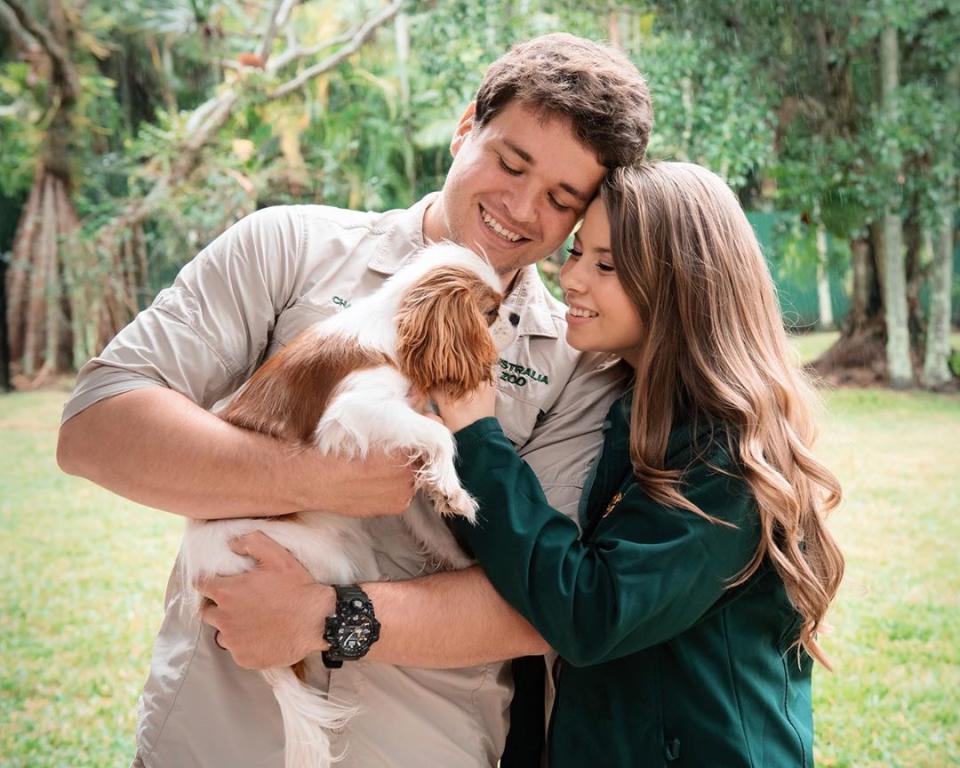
[{"x": 528, "y": 158}]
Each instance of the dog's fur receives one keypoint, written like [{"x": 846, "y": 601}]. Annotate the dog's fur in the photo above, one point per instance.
[{"x": 348, "y": 385}]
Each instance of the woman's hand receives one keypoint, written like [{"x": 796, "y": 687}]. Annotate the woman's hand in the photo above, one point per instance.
[{"x": 462, "y": 412}]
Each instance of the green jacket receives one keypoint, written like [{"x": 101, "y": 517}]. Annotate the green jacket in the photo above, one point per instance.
[{"x": 660, "y": 665}]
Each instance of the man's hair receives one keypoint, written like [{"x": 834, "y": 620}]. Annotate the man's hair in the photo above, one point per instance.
[{"x": 594, "y": 85}]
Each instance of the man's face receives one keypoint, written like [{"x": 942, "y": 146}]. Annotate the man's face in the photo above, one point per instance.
[{"x": 515, "y": 189}]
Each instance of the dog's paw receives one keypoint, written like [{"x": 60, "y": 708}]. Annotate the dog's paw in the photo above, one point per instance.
[{"x": 458, "y": 502}]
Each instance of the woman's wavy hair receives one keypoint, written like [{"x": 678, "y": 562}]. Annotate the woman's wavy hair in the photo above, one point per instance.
[{"x": 714, "y": 347}]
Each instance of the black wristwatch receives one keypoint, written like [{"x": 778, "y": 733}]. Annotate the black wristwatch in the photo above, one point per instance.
[{"x": 352, "y": 629}]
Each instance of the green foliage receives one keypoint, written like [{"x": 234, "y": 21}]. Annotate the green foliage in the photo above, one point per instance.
[
  {"x": 709, "y": 109},
  {"x": 19, "y": 111}
]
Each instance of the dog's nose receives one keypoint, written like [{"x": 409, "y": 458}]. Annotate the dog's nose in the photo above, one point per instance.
[{"x": 514, "y": 319}]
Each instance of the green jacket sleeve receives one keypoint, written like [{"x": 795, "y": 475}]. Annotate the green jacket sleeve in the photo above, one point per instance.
[{"x": 647, "y": 574}]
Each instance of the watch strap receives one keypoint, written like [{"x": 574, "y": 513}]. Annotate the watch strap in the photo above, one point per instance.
[{"x": 351, "y": 594}]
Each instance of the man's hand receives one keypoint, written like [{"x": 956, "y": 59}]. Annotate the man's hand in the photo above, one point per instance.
[
  {"x": 380, "y": 484},
  {"x": 271, "y": 616}
]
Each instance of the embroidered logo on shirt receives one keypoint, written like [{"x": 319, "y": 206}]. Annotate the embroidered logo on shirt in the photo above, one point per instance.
[
  {"x": 515, "y": 373},
  {"x": 341, "y": 302}
]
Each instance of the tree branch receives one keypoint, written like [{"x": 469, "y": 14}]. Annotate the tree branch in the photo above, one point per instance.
[
  {"x": 278, "y": 19},
  {"x": 294, "y": 52},
  {"x": 64, "y": 75},
  {"x": 362, "y": 34},
  {"x": 9, "y": 20},
  {"x": 213, "y": 114}
]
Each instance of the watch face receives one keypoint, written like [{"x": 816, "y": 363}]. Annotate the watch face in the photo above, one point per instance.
[{"x": 355, "y": 634}]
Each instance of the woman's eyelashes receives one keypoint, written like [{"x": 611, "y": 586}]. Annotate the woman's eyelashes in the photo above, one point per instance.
[{"x": 574, "y": 253}]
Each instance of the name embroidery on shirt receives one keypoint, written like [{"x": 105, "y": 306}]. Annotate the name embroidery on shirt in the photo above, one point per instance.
[
  {"x": 343, "y": 303},
  {"x": 515, "y": 373}
]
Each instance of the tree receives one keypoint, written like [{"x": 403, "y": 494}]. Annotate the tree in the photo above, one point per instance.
[
  {"x": 899, "y": 367},
  {"x": 37, "y": 324},
  {"x": 852, "y": 155},
  {"x": 70, "y": 295}
]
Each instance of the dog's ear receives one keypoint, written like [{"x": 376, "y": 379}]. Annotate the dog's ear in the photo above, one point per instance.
[{"x": 443, "y": 341}]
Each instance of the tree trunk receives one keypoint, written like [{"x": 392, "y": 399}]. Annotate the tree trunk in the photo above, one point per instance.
[
  {"x": 936, "y": 368},
  {"x": 858, "y": 357},
  {"x": 824, "y": 305},
  {"x": 936, "y": 371},
  {"x": 37, "y": 320},
  {"x": 899, "y": 368},
  {"x": 37, "y": 323},
  {"x": 864, "y": 281},
  {"x": 5, "y": 382}
]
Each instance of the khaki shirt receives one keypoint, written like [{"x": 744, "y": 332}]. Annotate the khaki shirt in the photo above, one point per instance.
[{"x": 241, "y": 299}]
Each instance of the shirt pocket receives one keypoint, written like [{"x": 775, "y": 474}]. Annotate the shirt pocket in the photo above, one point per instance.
[{"x": 518, "y": 418}]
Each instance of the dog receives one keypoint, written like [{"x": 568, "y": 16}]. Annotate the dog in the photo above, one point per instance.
[{"x": 351, "y": 383}]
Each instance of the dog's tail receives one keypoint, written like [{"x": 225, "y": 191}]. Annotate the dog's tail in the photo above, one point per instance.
[{"x": 308, "y": 716}]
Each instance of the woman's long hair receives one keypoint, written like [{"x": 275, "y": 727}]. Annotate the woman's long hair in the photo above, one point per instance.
[{"x": 714, "y": 347}]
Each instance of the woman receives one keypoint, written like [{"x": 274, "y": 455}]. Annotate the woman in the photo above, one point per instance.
[{"x": 685, "y": 607}]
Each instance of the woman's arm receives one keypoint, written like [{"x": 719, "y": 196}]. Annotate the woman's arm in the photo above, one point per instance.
[{"x": 648, "y": 573}]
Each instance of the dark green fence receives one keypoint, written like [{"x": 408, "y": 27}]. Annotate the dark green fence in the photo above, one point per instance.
[{"x": 790, "y": 249}]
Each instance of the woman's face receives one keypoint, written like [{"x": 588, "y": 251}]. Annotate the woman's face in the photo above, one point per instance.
[{"x": 601, "y": 317}]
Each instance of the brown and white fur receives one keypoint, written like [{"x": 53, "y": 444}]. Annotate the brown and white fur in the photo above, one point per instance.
[{"x": 349, "y": 384}]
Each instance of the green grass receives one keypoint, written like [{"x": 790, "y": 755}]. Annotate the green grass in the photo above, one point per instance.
[
  {"x": 809, "y": 346},
  {"x": 83, "y": 574}
]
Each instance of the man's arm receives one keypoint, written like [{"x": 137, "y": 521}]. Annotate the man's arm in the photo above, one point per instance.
[
  {"x": 460, "y": 621},
  {"x": 273, "y": 615},
  {"x": 137, "y": 422},
  {"x": 157, "y": 447}
]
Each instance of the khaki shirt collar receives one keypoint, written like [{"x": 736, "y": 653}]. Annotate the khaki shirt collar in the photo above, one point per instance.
[
  {"x": 529, "y": 297},
  {"x": 404, "y": 237}
]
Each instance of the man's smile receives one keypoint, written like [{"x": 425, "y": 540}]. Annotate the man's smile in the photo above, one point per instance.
[{"x": 496, "y": 226}]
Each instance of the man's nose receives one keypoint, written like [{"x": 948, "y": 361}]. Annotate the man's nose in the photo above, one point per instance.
[{"x": 522, "y": 204}]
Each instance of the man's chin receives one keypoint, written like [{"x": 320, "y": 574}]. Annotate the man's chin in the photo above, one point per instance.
[{"x": 508, "y": 262}]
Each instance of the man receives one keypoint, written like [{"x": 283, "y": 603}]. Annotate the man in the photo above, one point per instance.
[{"x": 550, "y": 117}]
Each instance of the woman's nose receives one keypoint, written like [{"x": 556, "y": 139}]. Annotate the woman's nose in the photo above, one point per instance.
[{"x": 571, "y": 278}]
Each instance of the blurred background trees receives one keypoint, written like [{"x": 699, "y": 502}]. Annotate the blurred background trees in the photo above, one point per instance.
[{"x": 131, "y": 134}]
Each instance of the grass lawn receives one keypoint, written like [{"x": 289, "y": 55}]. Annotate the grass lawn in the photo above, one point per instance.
[{"x": 83, "y": 575}]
